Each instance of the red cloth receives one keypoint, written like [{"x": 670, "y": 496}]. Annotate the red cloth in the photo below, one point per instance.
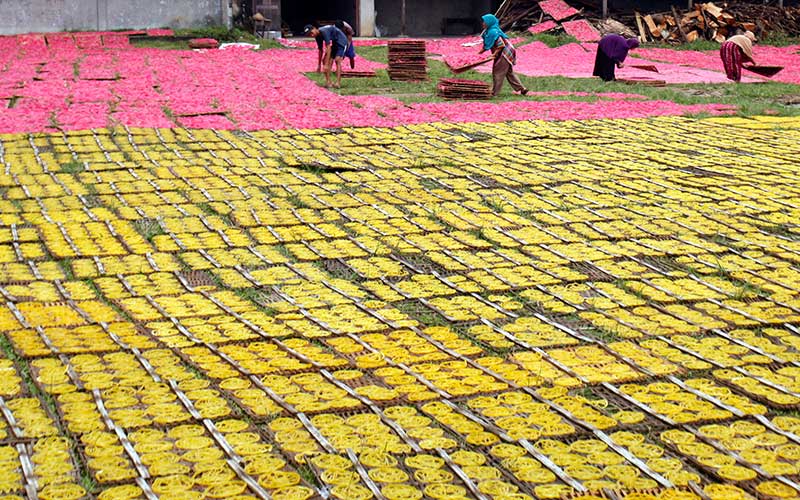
[
  {"x": 731, "y": 55},
  {"x": 203, "y": 43}
]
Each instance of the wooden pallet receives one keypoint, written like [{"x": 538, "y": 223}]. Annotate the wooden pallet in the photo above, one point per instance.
[
  {"x": 407, "y": 60},
  {"x": 454, "y": 88},
  {"x": 358, "y": 74},
  {"x": 649, "y": 82}
]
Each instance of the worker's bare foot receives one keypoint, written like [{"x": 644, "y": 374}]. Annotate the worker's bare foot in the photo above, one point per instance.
[{"x": 524, "y": 92}]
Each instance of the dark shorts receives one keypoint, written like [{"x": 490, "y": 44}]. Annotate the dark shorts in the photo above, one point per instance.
[
  {"x": 337, "y": 50},
  {"x": 350, "y": 51}
]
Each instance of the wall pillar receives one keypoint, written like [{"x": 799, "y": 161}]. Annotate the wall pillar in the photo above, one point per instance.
[
  {"x": 366, "y": 17},
  {"x": 225, "y": 13}
]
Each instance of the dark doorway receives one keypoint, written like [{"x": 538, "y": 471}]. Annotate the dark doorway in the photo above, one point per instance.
[
  {"x": 297, "y": 14},
  {"x": 432, "y": 17}
]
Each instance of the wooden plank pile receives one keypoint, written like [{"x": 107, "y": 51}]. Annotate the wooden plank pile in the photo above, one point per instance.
[
  {"x": 521, "y": 14},
  {"x": 708, "y": 21},
  {"x": 769, "y": 18},
  {"x": 456, "y": 88},
  {"x": 352, "y": 73},
  {"x": 643, "y": 80},
  {"x": 541, "y": 15},
  {"x": 407, "y": 60}
]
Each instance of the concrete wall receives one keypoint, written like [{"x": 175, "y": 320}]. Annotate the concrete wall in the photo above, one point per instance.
[
  {"x": 24, "y": 16},
  {"x": 366, "y": 18}
]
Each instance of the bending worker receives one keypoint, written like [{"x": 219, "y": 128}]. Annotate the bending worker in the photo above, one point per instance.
[
  {"x": 734, "y": 51},
  {"x": 334, "y": 43},
  {"x": 349, "y": 32},
  {"x": 611, "y": 53}
]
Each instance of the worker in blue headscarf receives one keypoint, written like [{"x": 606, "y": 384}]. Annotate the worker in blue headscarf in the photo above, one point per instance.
[{"x": 505, "y": 55}]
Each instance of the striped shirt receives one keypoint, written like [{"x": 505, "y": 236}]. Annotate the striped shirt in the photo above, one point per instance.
[{"x": 504, "y": 47}]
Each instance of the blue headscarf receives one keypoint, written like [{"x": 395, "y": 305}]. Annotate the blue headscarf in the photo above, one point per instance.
[{"x": 493, "y": 31}]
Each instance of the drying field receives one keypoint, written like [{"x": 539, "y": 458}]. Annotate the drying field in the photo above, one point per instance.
[{"x": 489, "y": 311}]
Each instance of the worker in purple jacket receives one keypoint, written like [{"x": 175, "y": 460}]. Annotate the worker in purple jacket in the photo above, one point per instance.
[{"x": 611, "y": 53}]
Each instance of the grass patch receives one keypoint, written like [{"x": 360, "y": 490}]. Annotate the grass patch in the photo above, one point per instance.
[
  {"x": 259, "y": 298},
  {"x": 375, "y": 53},
  {"x": 349, "y": 188},
  {"x": 785, "y": 230},
  {"x": 311, "y": 168},
  {"x": 307, "y": 473},
  {"x": 495, "y": 204},
  {"x": 600, "y": 334},
  {"x": 168, "y": 113},
  {"x": 624, "y": 286},
  {"x": 211, "y": 211},
  {"x": 431, "y": 183},
  {"x": 161, "y": 43},
  {"x": 338, "y": 270},
  {"x": 297, "y": 202},
  {"x": 285, "y": 252},
  {"x": 72, "y": 167},
  {"x": 207, "y": 209},
  {"x": 749, "y": 99},
  {"x": 52, "y": 121},
  {"x": 552, "y": 40},
  {"x": 113, "y": 305},
  {"x": 148, "y": 228},
  {"x": 776, "y": 39},
  {"x": 748, "y": 290},
  {"x": 66, "y": 266},
  {"x": 180, "y": 41},
  {"x": 422, "y": 91},
  {"x": 699, "y": 45},
  {"x": 93, "y": 201}
]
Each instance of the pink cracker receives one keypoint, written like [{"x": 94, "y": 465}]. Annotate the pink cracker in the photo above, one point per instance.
[
  {"x": 557, "y": 9},
  {"x": 277, "y": 93},
  {"x": 543, "y": 27},
  {"x": 581, "y": 30}
]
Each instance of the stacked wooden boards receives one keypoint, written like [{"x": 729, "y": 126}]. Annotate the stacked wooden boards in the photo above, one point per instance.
[
  {"x": 457, "y": 88},
  {"x": 407, "y": 60}
]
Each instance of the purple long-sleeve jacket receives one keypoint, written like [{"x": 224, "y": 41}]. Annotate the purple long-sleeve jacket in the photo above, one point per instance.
[{"x": 616, "y": 47}]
